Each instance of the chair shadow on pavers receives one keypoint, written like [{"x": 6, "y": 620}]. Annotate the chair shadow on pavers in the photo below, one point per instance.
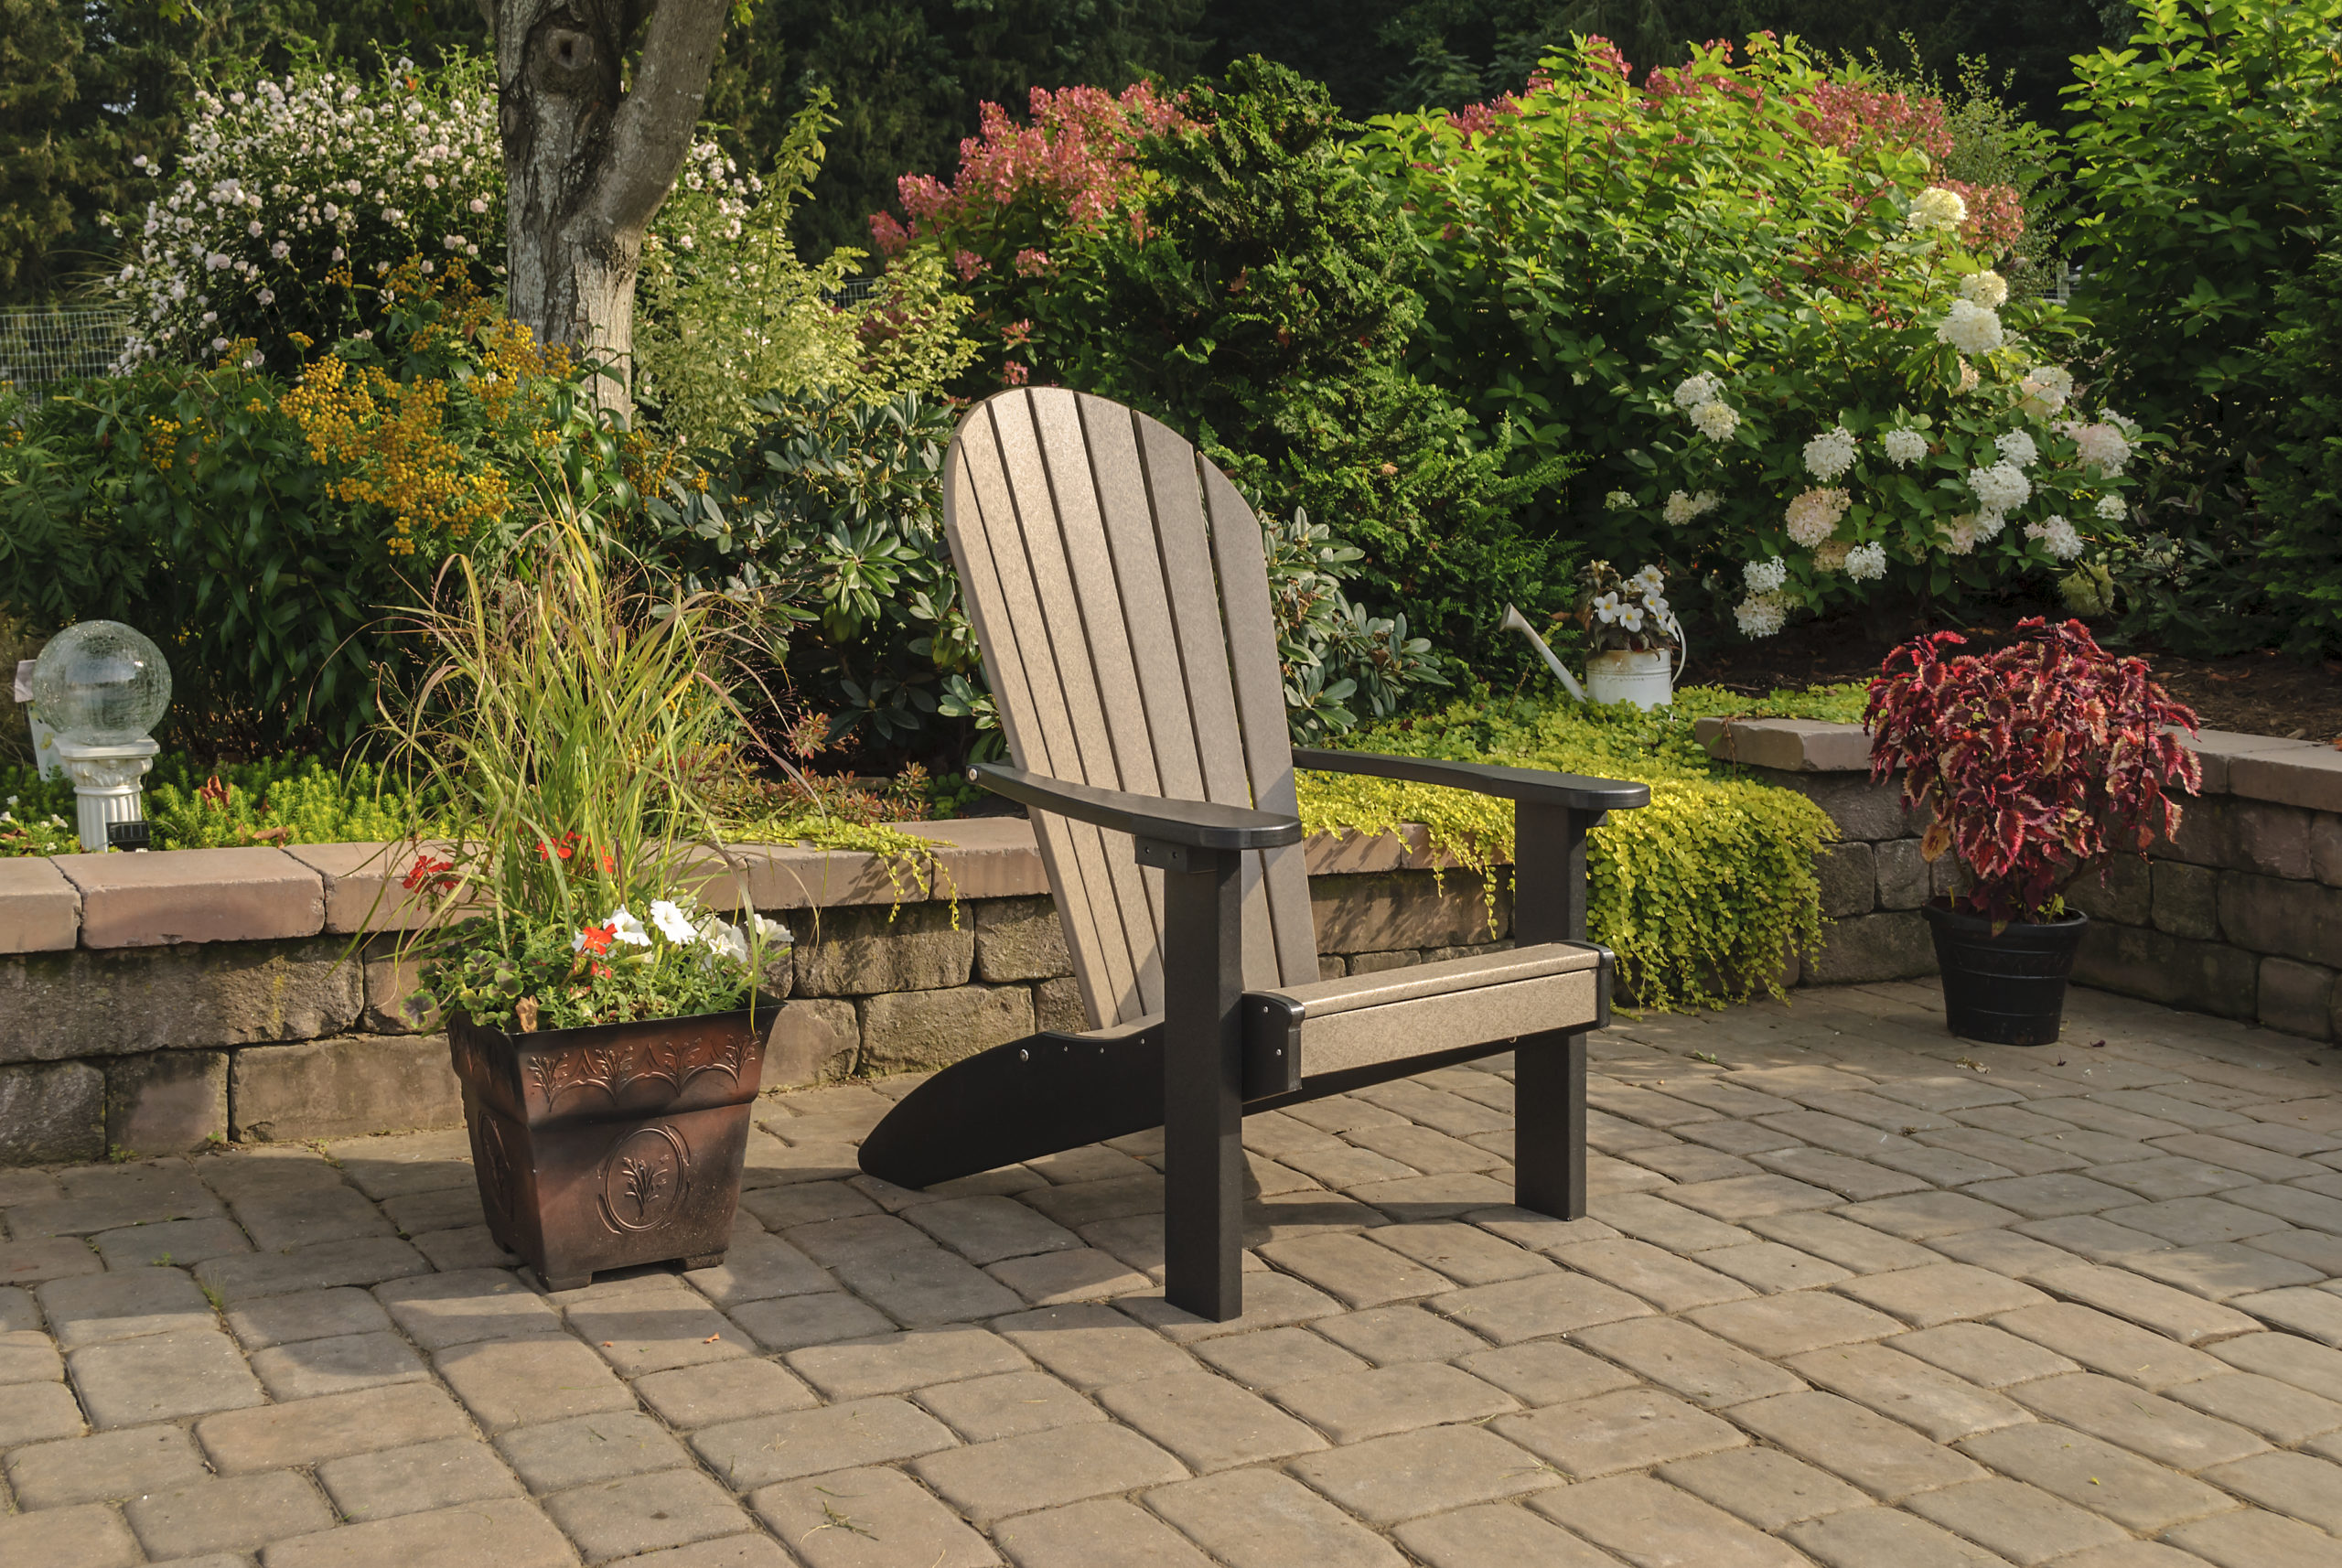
[{"x": 1119, "y": 591}]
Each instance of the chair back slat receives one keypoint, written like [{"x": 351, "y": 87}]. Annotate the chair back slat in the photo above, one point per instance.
[
  {"x": 1116, "y": 584},
  {"x": 1244, "y": 573},
  {"x": 1019, "y": 670},
  {"x": 1125, "y": 916}
]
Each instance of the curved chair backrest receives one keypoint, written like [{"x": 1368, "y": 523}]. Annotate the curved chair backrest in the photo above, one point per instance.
[{"x": 1116, "y": 583}]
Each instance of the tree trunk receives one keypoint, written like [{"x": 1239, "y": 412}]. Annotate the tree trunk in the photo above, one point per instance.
[{"x": 588, "y": 161}]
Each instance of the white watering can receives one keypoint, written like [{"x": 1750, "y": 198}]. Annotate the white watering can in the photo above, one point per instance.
[{"x": 1642, "y": 677}]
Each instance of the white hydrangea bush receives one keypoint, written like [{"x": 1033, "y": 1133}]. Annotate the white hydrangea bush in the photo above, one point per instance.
[{"x": 1917, "y": 434}]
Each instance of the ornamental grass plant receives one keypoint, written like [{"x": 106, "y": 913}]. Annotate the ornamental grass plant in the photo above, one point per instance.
[
  {"x": 2031, "y": 762},
  {"x": 561, "y": 721}
]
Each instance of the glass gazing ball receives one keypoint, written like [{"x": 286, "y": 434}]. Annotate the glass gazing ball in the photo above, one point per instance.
[{"x": 100, "y": 682}]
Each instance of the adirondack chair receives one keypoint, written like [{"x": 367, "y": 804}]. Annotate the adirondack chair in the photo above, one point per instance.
[{"x": 1117, "y": 587}]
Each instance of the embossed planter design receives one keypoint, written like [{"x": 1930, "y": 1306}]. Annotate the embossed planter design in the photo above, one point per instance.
[{"x": 613, "y": 1145}]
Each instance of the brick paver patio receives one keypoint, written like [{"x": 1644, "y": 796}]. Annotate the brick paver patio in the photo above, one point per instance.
[{"x": 1856, "y": 1293}]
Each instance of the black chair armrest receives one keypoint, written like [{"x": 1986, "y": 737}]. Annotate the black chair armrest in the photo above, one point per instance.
[
  {"x": 1535, "y": 786},
  {"x": 1198, "y": 824}
]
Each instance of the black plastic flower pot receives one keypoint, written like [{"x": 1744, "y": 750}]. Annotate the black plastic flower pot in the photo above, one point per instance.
[{"x": 2006, "y": 987}]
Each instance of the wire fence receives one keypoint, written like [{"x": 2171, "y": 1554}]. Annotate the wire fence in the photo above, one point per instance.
[{"x": 39, "y": 349}]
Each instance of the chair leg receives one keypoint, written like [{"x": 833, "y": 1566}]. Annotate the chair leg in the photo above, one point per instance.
[
  {"x": 1203, "y": 1094},
  {"x": 1549, "y": 1124}
]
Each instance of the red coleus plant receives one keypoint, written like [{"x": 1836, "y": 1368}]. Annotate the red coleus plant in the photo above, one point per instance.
[{"x": 2031, "y": 761}]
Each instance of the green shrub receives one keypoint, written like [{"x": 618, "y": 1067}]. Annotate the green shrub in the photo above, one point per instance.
[
  {"x": 1223, "y": 265},
  {"x": 1701, "y": 893},
  {"x": 1743, "y": 287},
  {"x": 256, "y": 527}
]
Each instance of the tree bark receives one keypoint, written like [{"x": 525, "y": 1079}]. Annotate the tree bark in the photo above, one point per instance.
[{"x": 590, "y": 156}]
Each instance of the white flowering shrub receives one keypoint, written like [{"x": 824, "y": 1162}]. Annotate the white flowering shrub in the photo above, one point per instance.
[
  {"x": 289, "y": 197},
  {"x": 1745, "y": 286},
  {"x": 1943, "y": 421}
]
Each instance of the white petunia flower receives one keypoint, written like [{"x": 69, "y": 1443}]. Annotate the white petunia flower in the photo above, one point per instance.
[
  {"x": 1814, "y": 514},
  {"x": 1904, "y": 448},
  {"x": 673, "y": 923},
  {"x": 2056, "y": 536},
  {"x": 1971, "y": 328},
  {"x": 2017, "y": 448},
  {"x": 1766, "y": 576},
  {"x": 1866, "y": 562},
  {"x": 772, "y": 930},
  {"x": 1715, "y": 419},
  {"x": 1987, "y": 288},
  {"x": 1760, "y": 615},
  {"x": 627, "y": 929},
  {"x": 2111, "y": 509},
  {"x": 1829, "y": 454},
  {"x": 2002, "y": 486},
  {"x": 1936, "y": 207},
  {"x": 1693, "y": 391}
]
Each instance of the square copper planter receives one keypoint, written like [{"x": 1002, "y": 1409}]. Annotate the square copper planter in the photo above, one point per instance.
[{"x": 612, "y": 1145}]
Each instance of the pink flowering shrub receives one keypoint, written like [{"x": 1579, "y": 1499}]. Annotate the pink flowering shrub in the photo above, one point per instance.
[{"x": 1022, "y": 192}]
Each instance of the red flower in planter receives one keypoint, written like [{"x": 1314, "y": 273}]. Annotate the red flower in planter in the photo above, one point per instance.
[
  {"x": 595, "y": 939},
  {"x": 564, "y": 847},
  {"x": 2030, "y": 761}
]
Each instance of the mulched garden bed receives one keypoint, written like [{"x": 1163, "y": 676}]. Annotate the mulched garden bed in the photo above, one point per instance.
[{"x": 2255, "y": 694}]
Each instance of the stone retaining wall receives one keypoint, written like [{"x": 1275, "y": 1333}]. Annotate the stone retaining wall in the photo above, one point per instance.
[
  {"x": 2239, "y": 915},
  {"x": 156, "y": 1003},
  {"x": 152, "y": 1003}
]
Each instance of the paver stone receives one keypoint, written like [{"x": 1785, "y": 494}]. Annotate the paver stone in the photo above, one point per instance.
[
  {"x": 92, "y": 1536},
  {"x": 756, "y": 1453},
  {"x": 415, "y": 1480},
  {"x": 1653, "y": 1525},
  {"x": 160, "y": 1377},
  {"x": 989, "y": 1480},
  {"x": 586, "y": 1449},
  {"x": 645, "y": 1513},
  {"x": 2020, "y": 1523},
  {"x": 1207, "y": 1420},
  {"x": 109, "y": 1464},
  {"x": 870, "y": 1518},
  {"x": 1387, "y": 1479},
  {"x": 1258, "y": 1518},
  {"x": 310, "y": 1431},
  {"x": 1496, "y": 1535},
  {"x": 1865, "y": 1538},
  {"x": 505, "y": 1382},
  {"x": 1630, "y": 1430},
  {"x": 2161, "y": 1428},
  {"x": 497, "y": 1534},
  {"x": 227, "y": 1513},
  {"x": 1883, "y": 1457},
  {"x": 2096, "y": 1474},
  {"x": 1107, "y": 1534},
  {"x": 1353, "y": 1407},
  {"x": 1763, "y": 1486}
]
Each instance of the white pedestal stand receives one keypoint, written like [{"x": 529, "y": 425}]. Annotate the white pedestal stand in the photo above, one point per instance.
[{"x": 105, "y": 784}]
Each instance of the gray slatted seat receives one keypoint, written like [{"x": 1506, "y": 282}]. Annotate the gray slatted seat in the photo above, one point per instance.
[{"x": 1117, "y": 586}]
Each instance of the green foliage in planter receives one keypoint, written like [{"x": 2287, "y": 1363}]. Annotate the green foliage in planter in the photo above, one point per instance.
[{"x": 1701, "y": 893}]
